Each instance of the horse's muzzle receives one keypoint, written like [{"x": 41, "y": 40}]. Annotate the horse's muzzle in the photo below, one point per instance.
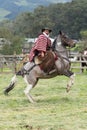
[{"x": 74, "y": 43}]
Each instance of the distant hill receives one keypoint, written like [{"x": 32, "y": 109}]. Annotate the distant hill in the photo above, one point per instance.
[{"x": 9, "y": 9}]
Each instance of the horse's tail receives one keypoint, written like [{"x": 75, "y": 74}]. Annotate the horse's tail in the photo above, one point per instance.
[{"x": 11, "y": 85}]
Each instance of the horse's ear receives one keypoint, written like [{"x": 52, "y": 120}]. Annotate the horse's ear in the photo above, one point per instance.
[{"x": 60, "y": 32}]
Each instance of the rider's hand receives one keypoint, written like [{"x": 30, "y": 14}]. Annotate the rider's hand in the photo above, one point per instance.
[{"x": 42, "y": 54}]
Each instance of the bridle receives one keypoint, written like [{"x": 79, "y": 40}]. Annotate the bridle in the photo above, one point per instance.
[{"x": 63, "y": 40}]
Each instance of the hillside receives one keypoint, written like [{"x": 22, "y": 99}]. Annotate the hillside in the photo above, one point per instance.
[{"x": 10, "y": 9}]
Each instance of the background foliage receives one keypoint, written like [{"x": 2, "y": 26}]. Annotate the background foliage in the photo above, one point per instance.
[{"x": 70, "y": 17}]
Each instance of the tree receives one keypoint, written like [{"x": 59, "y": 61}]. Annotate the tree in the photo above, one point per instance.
[
  {"x": 83, "y": 34},
  {"x": 5, "y": 33},
  {"x": 70, "y": 17},
  {"x": 14, "y": 40}
]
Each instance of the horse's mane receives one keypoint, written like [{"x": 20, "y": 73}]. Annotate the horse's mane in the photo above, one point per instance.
[
  {"x": 56, "y": 40},
  {"x": 54, "y": 44}
]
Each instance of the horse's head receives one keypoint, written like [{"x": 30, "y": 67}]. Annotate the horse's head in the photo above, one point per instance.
[
  {"x": 63, "y": 40},
  {"x": 66, "y": 41}
]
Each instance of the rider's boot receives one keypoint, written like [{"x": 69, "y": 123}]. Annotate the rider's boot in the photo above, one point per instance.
[
  {"x": 25, "y": 69},
  {"x": 22, "y": 72}
]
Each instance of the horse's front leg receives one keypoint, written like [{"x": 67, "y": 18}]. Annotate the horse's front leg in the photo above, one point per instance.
[
  {"x": 70, "y": 82},
  {"x": 71, "y": 76}
]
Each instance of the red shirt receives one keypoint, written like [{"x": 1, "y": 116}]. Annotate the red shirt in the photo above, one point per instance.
[{"x": 41, "y": 45}]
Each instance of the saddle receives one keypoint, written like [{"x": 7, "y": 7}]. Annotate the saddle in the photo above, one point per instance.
[{"x": 46, "y": 63}]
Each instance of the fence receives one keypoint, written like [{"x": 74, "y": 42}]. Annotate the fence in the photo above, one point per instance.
[
  {"x": 78, "y": 62},
  {"x": 12, "y": 63}
]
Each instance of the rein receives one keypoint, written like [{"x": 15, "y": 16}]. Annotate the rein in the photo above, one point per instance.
[{"x": 61, "y": 51}]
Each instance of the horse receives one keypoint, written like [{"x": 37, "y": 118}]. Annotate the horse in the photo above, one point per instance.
[{"x": 59, "y": 47}]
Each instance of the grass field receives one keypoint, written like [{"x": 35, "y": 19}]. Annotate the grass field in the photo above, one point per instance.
[{"x": 55, "y": 109}]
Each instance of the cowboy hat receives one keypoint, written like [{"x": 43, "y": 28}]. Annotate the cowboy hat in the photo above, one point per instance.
[{"x": 46, "y": 28}]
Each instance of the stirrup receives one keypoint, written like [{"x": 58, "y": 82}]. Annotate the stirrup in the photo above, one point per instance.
[{"x": 22, "y": 72}]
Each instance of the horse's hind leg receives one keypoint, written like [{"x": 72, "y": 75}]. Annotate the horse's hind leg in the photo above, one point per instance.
[
  {"x": 28, "y": 89},
  {"x": 27, "y": 93}
]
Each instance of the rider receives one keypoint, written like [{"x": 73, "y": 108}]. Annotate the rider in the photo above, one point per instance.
[{"x": 42, "y": 44}]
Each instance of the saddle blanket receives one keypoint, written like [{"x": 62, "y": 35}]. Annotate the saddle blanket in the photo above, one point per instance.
[{"x": 46, "y": 63}]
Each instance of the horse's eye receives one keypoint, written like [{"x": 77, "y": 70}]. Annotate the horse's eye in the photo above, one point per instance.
[{"x": 65, "y": 37}]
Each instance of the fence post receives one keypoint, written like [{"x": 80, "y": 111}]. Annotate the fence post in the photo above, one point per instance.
[
  {"x": 80, "y": 63},
  {"x": 15, "y": 68}
]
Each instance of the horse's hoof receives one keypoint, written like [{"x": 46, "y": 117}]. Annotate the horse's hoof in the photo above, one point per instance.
[
  {"x": 67, "y": 89},
  {"x": 5, "y": 93}
]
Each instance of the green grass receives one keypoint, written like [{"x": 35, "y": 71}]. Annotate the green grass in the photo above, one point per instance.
[{"x": 55, "y": 109}]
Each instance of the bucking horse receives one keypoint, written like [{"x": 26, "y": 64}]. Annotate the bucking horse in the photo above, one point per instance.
[{"x": 49, "y": 66}]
